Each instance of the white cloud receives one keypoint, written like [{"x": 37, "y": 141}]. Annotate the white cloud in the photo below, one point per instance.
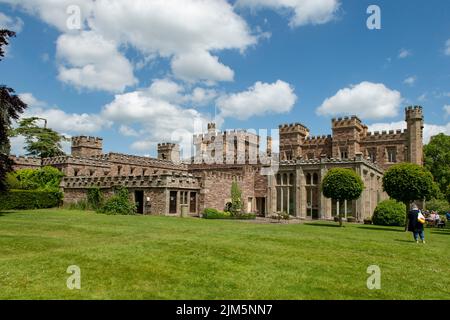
[
  {"x": 90, "y": 61},
  {"x": 31, "y": 100},
  {"x": 447, "y": 110},
  {"x": 200, "y": 65},
  {"x": 404, "y": 53},
  {"x": 303, "y": 11},
  {"x": 170, "y": 29},
  {"x": 260, "y": 99},
  {"x": 61, "y": 121},
  {"x": 13, "y": 24},
  {"x": 202, "y": 97},
  {"x": 159, "y": 120},
  {"x": 166, "y": 89},
  {"x": 366, "y": 100},
  {"x": 447, "y": 47},
  {"x": 410, "y": 81},
  {"x": 429, "y": 130},
  {"x": 128, "y": 131}
]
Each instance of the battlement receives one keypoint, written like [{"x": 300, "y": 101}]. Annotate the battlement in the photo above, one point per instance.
[
  {"x": 167, "y": 179},
  {"x": 391, "y": 135},
  {"x": 69, "y": 160},
  {"x": 317, "y": 140},
  {"x": 294, "y": 128},
  {"x": 167, "y": 145},
  {"x": 22, "y": 161},
  {"x": 414, "y": 113},
  {"x": 345, "y": 122},
  {"x": 87, "y": 141}
]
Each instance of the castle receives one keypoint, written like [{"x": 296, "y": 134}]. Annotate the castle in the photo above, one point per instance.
[{"x": 286, "y": 182}]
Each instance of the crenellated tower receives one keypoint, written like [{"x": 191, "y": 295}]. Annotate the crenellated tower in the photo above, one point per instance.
[
  {"x": 85, "y": 147},
  {"x": 415, "y": 121},
  {"x": 169, "y": 152},
  {"x": 291, "y": 140}
]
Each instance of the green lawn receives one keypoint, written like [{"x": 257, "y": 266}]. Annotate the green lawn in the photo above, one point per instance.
[{"x": 135, "y": 257}]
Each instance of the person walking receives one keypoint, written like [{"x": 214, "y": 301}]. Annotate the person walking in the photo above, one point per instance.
[{"x": 416, "y": 221}]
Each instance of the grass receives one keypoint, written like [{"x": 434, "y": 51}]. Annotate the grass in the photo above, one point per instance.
[{"x": 135, "y": 257}]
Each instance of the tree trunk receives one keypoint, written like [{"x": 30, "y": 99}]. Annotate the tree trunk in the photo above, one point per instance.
[{"x": 406, "y": 217}]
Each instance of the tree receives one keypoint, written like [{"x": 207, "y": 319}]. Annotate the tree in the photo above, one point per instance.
[
  {"x": 407, "y": 182},
  {"x": 40, "y": 141},
  {"x": 342, "y": 184},
  {"x": 437, "y": 160},
  {"x": 10, "y": 109},
  {"x": 236, "y": 199}
]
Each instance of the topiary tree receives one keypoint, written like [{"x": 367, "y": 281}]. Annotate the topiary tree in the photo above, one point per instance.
[
  {"x": 407, "y": 182},
  {"x": 389, "y": 213},
  {"x": 342, "y": 184},
  {"x": 236, "y": 199}
]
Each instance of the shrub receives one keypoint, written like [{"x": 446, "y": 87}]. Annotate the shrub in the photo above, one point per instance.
[
  {"x": 368, "y": 221},
  {"x": 119, "y": 204},
  {"x": 30, "y": 199},
  {"x": 389, "y": 213},
  {"x": 236, "y": 199},
  {"x": 440, "y": 206},
  {"x": 216, "y": 214},
  {"x": 351, "y": 219},
  {"x": 46, "y": 178},
  {"x": 95, "y": 198}
]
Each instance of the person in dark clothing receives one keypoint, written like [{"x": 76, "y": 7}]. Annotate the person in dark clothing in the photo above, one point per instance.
[{"x": 414, "y": 223}]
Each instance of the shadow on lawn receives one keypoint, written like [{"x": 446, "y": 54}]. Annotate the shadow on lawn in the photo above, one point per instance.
[
  {"x": 322, "y": 225},
  {"x": 441, "y": 231},
  {"x": 381, "y": 229}
]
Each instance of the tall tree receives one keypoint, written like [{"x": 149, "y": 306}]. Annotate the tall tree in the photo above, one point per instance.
[
  {"x": 437, "y": 160},
  {"x": 40, "y": 141},
  {"x": 407, "y": 182},
  {"x": 342, "y": 184},
  {"x": 10, "y": 109}
]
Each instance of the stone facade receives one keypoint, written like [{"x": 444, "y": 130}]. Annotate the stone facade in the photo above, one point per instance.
[
  {"x": 166, "y": 186},
  {"x": 350, "y": 137}
]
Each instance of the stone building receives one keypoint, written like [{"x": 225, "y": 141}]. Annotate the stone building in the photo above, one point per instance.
[{"x": 167, "y": 186}]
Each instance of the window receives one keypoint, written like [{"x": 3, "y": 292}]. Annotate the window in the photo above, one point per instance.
[
  {"x": 184, "y": 198},
  {"x": 392, "y": 155},
  {"x": 344, "y": 154},
  {"x": 288, "y": 155},
  {"x": 311, "y": 156},
  {"x": 373, "y": 155}
]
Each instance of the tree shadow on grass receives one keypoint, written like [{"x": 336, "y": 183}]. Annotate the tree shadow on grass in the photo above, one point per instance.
[
  {"x": 445, "y": 232},
  {"x": 322, "y": 225},
  {"x": 381, "y": 229},
  {"x": 401, "y": 240}
]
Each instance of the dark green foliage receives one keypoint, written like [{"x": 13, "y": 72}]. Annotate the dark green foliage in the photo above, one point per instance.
[
  {"x": 389, "y": 213},
  {"x": 437, "y": 160},
  {"x": 438, "y": 205},
  {"x": 95, "y": 198},
  {"x": 216, "y": 214},
  {"x": 10, "y": 109},
  {"x": 40, "y": 141},
  {"x": 119, "y": 204},
  {"x": 407, "y": 182},
  {"x": 342, "y": 184},
  {"x": 236, "y": 199},
  {"x": 46, "y": 178},
  {"x": 29, "y": 199}
]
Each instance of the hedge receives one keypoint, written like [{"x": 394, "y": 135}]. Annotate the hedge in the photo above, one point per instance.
[
  {"x": 216, "y": 214},
  {"x": 389, "y": 213},
  {"x": 30, "y": 199}
]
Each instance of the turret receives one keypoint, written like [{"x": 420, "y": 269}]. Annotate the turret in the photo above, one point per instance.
[
  {"x": 86, "y": 147},
  {"x": 169, "y": 152},
  {"x": 414, "y": 120}
]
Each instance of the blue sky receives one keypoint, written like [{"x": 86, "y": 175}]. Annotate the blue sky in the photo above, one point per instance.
[{"x": 137, "y": 72}]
